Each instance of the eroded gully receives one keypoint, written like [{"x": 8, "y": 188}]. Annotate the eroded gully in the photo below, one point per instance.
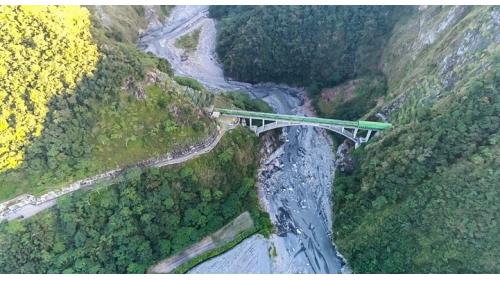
[{"x": 294, "y": 181}]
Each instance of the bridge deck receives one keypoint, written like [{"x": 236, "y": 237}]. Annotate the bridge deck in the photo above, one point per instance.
[{"x": 366, "y": 125}]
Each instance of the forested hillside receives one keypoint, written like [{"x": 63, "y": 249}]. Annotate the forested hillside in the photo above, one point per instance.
[
  {"x": 82, "y": 99},
  {"x": 425, "y": 195},
  {"x": 302, "y": 45},
  {"x": 149, "y": 215},
  {"x": 127, "y": 109}
]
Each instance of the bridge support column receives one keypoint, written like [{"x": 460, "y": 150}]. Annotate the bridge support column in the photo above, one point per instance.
[{"x": 368, "y": 135}]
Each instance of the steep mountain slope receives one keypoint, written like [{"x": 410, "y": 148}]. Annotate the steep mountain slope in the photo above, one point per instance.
[
  {"x": 127, "y": 23},
  {"x": 425, "y": 195},
  {"x": 128, "y": 108},
  {"x": 302, "y": 45}
]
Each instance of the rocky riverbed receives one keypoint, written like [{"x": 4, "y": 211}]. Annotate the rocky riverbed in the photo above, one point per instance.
[{"x": 295, "y": 178}]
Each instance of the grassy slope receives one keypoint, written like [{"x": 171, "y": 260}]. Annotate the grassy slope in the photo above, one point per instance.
[
  {"x": 424, "y": 197},
  {"x": 122, "y": 23},
  {"x": 102, "y": 125},
  {"x": 239, "y": 100}
]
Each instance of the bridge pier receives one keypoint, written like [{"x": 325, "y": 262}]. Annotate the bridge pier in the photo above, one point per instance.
[
  {"x": 274, "y": 124},
  {"x": 368, "y": 135}
]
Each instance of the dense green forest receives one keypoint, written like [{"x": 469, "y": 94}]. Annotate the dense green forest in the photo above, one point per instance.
[
  {"x": 302, "y": 45},
  {"x": 149, "y": 215},
  {"x": 129, "y": 109},
  {"x": 424, "y": 196}
]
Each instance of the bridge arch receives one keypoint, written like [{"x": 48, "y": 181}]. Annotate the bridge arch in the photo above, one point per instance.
[
  {"x": 260, "y": 122},
  {"x": 277, "y": 125}
]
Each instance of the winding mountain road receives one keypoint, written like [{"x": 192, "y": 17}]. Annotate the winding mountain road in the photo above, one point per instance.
[{"x": 12, "y": 209}]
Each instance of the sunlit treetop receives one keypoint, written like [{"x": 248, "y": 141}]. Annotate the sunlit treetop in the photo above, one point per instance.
[{"x": 44, "y": 51}]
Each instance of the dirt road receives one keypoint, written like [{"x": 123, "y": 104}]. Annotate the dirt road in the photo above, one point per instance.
[{"x": 224, "y": 235}]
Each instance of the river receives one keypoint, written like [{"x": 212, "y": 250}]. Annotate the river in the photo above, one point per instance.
[{"x": 294, "y": 185}]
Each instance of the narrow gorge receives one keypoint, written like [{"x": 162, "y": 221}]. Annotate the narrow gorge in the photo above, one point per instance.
[{"x": 295, "y": 188}]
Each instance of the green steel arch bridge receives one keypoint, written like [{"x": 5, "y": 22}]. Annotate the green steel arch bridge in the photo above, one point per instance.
[{"x": 260, "y": 122}]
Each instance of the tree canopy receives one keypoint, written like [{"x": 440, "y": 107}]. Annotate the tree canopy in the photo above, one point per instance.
[
  {"x": 45, "y": 51},
  {"x": 301, "y": 45}
]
